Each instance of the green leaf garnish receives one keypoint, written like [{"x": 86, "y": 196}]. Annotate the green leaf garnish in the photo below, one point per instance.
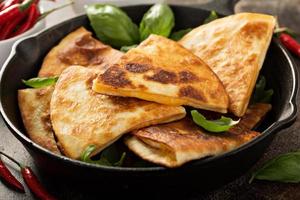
[
  {"x": 112, "y": 25},
  {"x": 284, "y": 168},
  {"x": 40, "y": 82},
  {"x": 260, "y": 95},
  {"x": 127, "y": 48},
  {"x": 179, "y": 34},
  {"x": 212, "y": 16},
  {"x": 103, "y": 160},
  {"x": 159, "y": 20},
  {"x": 220, "y": 125}
]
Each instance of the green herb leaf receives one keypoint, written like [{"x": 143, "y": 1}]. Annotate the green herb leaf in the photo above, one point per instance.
[
  {"x": 103, "y": 160},
  {"x": 127, "y": 48},
  {"x": 179, "y": 34},
  {"x": 284, "y": 168},
  {"x": 159, "y": 19},
  {"x": 260, "y": 95},
  {"x": 112, "y": 26},
  {"x": 212, "y": 16},
  {"x": 40, "y": 82},
  {"x": 220, "y": 125}
]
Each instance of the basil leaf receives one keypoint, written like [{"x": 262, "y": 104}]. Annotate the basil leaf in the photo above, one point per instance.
[
  {"x": 212, "y": 16},
  {"x": 159, "y": 19},
  {"x": 112, "y": 26},
  {"x": 260, "y": 95},
  {"x": 103, "y": 160},
  {"x": 284, "y": 168},
  {"x": 220, "y": 125},
  {"x": 127, "y": 48},
  {"x": 179, "y": 34},
  {"x": 40, "y": 82}
]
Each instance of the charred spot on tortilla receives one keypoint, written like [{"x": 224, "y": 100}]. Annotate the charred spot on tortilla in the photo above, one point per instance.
[
  {"x": 187, "y": 77},
  {"x": 189, "y": 91},
  {"x": 137, "y": 68},
  {"x": 115, "y": 77},
  {"x": 163, "y": 76}
]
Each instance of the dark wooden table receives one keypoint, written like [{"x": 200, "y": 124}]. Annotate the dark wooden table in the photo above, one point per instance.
[{"x": 285, "y": 141}]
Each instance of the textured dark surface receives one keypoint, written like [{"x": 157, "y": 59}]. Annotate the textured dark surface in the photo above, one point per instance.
[{"x": 285, "y": 141}]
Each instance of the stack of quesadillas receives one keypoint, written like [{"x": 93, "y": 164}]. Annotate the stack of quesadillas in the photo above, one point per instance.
[{"x": 103, "y": 94}]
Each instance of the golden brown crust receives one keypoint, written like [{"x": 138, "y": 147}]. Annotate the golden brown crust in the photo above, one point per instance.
[
  {"x": 80, "y": 117},
  {"x": 234, "y": 47},
  {"x": 78, "y": 48},
  {"x": 162, "y": 71},
  {"x": 176, "y": 143},
  {"x": 34, "y": 106}
]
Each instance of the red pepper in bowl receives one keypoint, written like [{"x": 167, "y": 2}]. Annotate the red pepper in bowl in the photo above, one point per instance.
[
  {"x": 32, "y": 18},
  {"x": 9, "y": 27},
  {"x": 14, "y": 11},
  {"x": 7, "y": 3}
]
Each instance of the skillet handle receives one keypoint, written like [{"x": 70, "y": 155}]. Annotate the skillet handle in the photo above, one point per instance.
[{"x": 288, "y": 117}]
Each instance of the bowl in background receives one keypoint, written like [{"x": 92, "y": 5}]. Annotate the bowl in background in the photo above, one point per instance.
[{"x": 6, "y": 45}]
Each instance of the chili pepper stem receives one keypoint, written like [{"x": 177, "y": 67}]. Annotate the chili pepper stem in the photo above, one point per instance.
[
  {"x": 12, "y": 159},
  {"x": 45, "y": 14}
]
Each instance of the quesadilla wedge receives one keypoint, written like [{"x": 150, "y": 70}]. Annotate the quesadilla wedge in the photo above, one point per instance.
[
  {"x": 162, "y": 71},
  {"x": 80, "y": 117},
  {"x": 234, "y": 47},
  {"x": 34, "y": 105},
  {"x": 78, "y": 48},
  {"x": 176, "y": 143}
]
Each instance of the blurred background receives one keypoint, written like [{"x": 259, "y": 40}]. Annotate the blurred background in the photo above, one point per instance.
[{"x": 287, "y": 11}]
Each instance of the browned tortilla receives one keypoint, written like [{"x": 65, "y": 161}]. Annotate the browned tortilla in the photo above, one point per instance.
[
  {"x": 162, "y": 71},
  {"x": 34, "y": 106},
  {"x": 234, "y": 47},
  {"x": 176, "y": 143},
  {"x": 78, "y": 48},
  {"x": 80, "y": 117}
]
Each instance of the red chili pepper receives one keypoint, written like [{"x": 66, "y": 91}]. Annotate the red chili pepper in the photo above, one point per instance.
[
  {"x": 8, "y": 3},
  {"x": 9, "y": 178},
  {"x": 34, "y": 185},
  {"x": 8, "y": 28},
  {"x": 290, "y": 43},
  {"x": 13, "y": 11},
  {"x": 32, "y": 182},
  {"x": 33, "y": 15}
]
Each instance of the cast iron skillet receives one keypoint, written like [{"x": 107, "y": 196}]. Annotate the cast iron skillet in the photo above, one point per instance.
[{"x": 25, "y": 61}]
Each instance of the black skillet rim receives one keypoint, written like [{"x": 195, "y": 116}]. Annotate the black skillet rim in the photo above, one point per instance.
[{"x": 276, "y": 126}]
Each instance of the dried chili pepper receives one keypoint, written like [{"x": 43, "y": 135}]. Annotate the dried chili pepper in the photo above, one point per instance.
[
  {"x": 34, "y": 185},
  {"x": 8, "y": 28},
  {"x": 9, "y": 178},
  {"x": 8, "y": 3},
  {"x": 33, "y": 15},
  {"x": 31, "y": 180},
  {"x": 14, "y": 11},
  {"x": 290, "y": 43}
]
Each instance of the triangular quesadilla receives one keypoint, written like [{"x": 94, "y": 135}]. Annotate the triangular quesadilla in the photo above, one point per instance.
[
  {"x": 176, "y": 143},
  {"x": 80, "y": 117},
  {"x": 234, "y": 47},
  {"x": 34, "y": 105},
  {"x": 162, "y": 71},
  {"x": 78, "y": 48}
]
